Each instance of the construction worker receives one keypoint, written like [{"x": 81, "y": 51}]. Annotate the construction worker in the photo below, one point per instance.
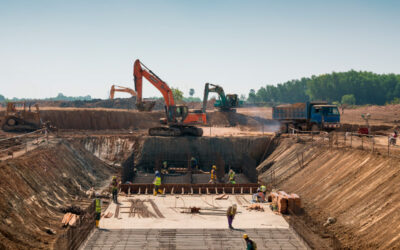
[
  {"x": 213, "y": 177},
  {"x": 164, "y": 169},
  {"x": 98, "y": 211},
  {"x": 232, "y": 177},
  {"x": 157, "y": 184},
  {"x": 114, "y": 185},
  {"x": 230, "y": 213},
  {"x": 250, "y": 245},
  {"x": 193, "y": 163}
]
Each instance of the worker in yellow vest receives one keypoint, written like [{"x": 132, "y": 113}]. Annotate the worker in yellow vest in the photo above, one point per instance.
[
  {"x": 230, "y": 213},
  {"x": 98, "y": 211},
  {"x": 232, "y": 177},
  {"x": 213, "y": 177},
  {"x": 157, "y": 184}
]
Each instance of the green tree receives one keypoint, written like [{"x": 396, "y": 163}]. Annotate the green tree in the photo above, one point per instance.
[
  {"x": 252, "y": 96},
  {"x": 191, "y": 92},
  {"x": 348, "y": 99},
  {"x": 178, "y": 95},
  {"x": 2, "y": 98}
]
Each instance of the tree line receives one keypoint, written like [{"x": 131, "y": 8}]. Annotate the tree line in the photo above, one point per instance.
[
  {"x": 59, "y": 97},
  {"x": 352, "y": 87}
]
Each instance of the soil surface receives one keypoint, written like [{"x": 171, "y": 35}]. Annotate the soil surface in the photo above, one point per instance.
[
  {"x": 357, "y": 188},
  {"x": 37, "y": 185}
]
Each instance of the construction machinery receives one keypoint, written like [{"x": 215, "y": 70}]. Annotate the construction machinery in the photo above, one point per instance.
[
  {"x": 225, "y": 103},
  {"x": 19, "y": 117},
  {"x": 314, "y": 116},
  {"x": 116, "y": 88},
  {"x": 179, "y": 119}
]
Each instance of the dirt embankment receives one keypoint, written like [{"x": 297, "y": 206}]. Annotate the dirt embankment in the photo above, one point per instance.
[
  {"x": 357, "y": 188},
  {"x": 35, "y": 186},
  {"x": 98, "y": 119},
  {"x": 86, "y": 119}
]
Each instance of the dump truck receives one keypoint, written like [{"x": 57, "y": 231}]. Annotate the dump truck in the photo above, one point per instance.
[{"x": 308, "y": 116}]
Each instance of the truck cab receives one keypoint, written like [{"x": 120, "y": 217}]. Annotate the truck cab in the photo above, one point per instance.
[{"x": 326, "y": 116}]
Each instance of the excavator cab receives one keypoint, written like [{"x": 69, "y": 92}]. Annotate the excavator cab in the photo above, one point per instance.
[{"x": 176, "y": 114}]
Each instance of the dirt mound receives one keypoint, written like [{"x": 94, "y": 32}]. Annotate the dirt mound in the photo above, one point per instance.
[
  {"x": 87, "y": 119},
  {"x": 231, "y": 119},
  {"x": 357, "y": 188},
  {"x": 102, "y": 119},
  {"x": 36, "y": 185}
]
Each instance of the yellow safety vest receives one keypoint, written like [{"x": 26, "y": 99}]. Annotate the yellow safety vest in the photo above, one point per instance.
[
  {"x": 157, "y": 182},
  {"x": 232, "y": 176},
  {"x": 98, "y": 205},
  {"x": 213, "y": 175}
]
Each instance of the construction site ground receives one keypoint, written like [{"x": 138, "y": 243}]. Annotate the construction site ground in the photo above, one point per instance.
[
  {"x": 147, "y": 221},
  {"x": 354, "y": 184}
]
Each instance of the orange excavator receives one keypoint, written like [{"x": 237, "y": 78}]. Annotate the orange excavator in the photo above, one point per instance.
[
  {"x": 179, "y": 119},
  {"x": 116, "y": 88}
]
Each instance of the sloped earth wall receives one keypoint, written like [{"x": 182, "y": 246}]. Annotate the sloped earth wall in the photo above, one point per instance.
[
  {"x": 35, "y": 186},
  {"x": 356, "y": 187},
  {"x": 97, "y": 119}
]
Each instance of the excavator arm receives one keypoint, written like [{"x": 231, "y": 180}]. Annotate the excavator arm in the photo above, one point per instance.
[
  {"x": 216, "y": 89},
  {"x": 116, "y": 88},
  {"x": 139, "y": 72}
]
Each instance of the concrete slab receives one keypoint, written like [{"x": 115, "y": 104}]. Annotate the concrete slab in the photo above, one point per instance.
[{"x": 212, "y": 213}]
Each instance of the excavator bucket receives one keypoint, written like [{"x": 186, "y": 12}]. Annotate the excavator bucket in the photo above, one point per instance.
[{"x": 145, "y": 106}]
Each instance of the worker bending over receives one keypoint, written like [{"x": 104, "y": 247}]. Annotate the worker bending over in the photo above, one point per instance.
[
  {"x": 260, "y": 195},
  {"x": 230, "y": 213},
  {"x": 213, "y": 177},
  {"x": 114, "y": 189},
  {"x": 232, "y": 177},
  {"x": 157, "y": 184},
  {"x": 250, "y": 245}
]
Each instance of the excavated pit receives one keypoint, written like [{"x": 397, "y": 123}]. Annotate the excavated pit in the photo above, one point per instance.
[{"x": 140, "y": 156}]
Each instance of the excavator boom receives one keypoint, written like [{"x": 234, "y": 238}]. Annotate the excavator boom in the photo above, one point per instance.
[
  {"x": 226, "y": 102},
  {"x": 116, "y": 88},
  {"x": 139, "y": 73},
  {"x": 179, "y": 119}
]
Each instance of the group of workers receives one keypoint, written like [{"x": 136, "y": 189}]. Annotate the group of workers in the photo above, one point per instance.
[{"x": 213, "y": 175}]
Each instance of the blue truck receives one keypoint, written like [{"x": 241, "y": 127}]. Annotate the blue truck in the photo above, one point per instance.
[{"x": 308, "y": 116}]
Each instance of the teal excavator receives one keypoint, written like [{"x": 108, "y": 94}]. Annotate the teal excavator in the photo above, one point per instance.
[{"x": 225, "y": 103}]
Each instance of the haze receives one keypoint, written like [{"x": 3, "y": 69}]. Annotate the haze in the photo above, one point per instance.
[{"x": 83, "y": 47}]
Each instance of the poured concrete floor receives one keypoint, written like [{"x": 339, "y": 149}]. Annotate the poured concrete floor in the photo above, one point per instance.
[{"x": 169, "y": 226}]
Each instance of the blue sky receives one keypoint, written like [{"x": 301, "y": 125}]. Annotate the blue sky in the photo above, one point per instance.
[{"x": 83, "y": 47}]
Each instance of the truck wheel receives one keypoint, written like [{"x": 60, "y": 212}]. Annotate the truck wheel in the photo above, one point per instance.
[{"x": 314, "y": 128}]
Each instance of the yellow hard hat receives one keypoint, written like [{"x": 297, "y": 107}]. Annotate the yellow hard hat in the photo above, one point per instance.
[
  {"x": 214, "y": 166},
  {"x": 245, "y": 236}
]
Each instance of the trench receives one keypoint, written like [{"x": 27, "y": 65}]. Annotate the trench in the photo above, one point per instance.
[{"x": 139, "y": 157}]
